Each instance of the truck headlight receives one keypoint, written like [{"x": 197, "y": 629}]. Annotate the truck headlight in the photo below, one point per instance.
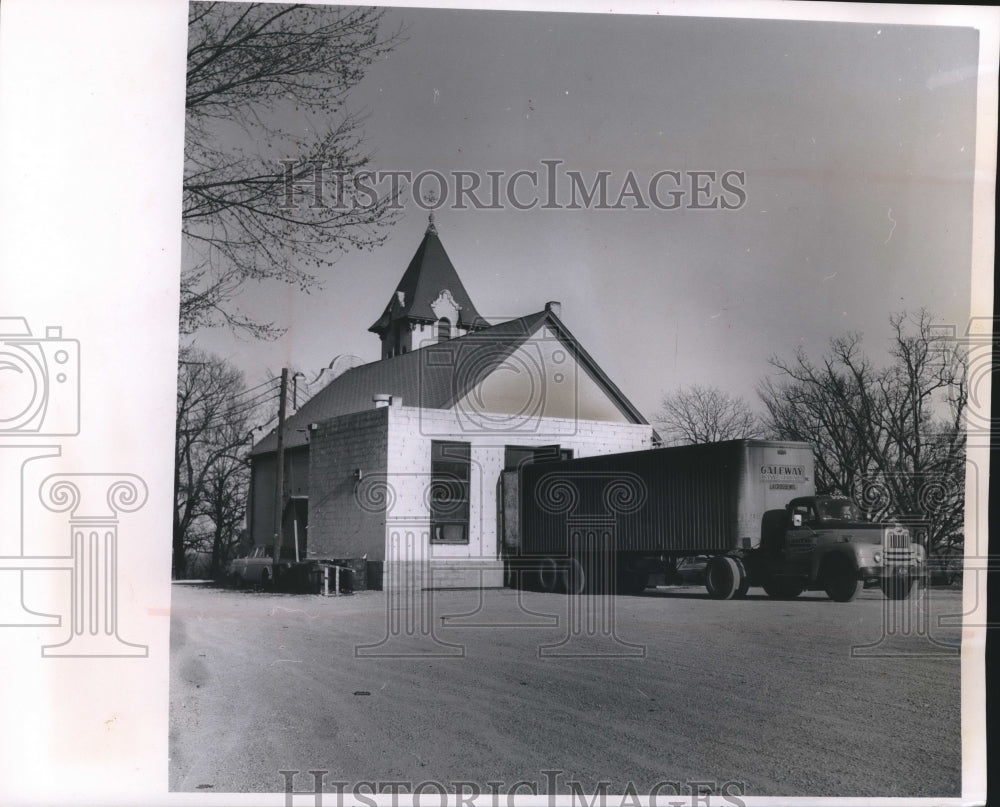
[{"x": 877, "y": 557}]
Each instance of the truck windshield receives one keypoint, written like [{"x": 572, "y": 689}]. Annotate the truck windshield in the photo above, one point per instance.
[{"x": 837, "y": 510}]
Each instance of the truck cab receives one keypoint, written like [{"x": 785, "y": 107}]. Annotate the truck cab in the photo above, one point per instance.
[{"x": 825, "y": 543}]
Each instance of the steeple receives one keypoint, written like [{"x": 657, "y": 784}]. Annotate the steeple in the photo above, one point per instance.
[{"x": 429, "y": 304}]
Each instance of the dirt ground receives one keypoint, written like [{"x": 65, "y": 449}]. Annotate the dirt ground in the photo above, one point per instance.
[{"x": 763, "y": 697}]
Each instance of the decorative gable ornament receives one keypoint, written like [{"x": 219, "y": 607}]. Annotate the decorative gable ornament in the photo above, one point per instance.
[{"x": 446, "y": 306}]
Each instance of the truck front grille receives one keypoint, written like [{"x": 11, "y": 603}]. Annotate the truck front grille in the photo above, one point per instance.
[{"x": 897, "y": 547}]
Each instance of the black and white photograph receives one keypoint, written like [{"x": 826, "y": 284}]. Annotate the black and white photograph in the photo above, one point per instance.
[{"x": 522, "y": 404}]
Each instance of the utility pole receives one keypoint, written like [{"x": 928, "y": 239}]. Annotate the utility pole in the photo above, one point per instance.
[{"x": 279, "y": 483}]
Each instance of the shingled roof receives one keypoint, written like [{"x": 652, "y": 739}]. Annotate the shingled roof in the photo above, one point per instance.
[
  {"x": 434, "y": 377},
  {"x": 430, "y": 272}
]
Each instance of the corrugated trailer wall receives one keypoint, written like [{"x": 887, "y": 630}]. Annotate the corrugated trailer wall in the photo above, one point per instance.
[{"x": 681, "y": 499}]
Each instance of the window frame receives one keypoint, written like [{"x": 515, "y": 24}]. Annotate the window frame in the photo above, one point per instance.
[{"x": 451, "y": 470}]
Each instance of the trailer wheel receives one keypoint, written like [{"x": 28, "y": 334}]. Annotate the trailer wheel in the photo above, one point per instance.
[
  {"x": 548, "y": 574},
  {"x": 723, "y": 577},
  {"x": 840, "y": 579}
]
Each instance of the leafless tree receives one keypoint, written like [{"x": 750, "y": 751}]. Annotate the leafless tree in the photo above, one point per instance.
[
  {"x": 249, "y": 206},
  {"x": 700, "y": 414},
  {"x": 216, "y": 415},
  {"x": 892, "y": 437}
]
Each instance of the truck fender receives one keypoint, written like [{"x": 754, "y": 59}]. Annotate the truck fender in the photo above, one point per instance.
[
  {"x": 839, "y": 574},
  {"x": 823, "y": 554},
  {"x": 773, "y": 525}
]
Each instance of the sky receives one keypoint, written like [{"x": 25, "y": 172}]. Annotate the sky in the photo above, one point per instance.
[{"x": 856, "y": 143}]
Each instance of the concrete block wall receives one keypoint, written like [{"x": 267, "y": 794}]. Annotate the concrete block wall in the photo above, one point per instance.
[
  {"x": 347, "y": 516},
  {"x": 411, "y": 431},
  {"x": 296, "y": 483}
]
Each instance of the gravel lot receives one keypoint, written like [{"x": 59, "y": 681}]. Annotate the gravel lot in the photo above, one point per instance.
[{"x": 762, "y": 693}]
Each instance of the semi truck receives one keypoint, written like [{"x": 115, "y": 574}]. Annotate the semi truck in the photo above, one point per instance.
[{"x": 607, "y": 523}]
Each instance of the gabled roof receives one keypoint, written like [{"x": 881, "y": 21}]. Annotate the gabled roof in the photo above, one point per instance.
[
  {"x": 435, "y": 377},
  {"x": 430, "y": 272}
]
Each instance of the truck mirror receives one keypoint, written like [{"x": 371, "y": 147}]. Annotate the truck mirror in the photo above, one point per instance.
[{"x": 797, "y": 519}]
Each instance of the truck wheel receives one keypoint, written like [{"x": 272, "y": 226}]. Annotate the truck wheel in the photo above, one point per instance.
[
  {"x": 723, "y": 577},
  {"x": 548, "y": 575},
  {"x": 744, "y": 587},
  {"x": 840, "y": 580},
  {"x": 896, "y": 588},
  {"x": 782, "y": 589}
]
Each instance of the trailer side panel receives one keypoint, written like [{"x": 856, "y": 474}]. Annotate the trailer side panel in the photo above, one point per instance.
[{"x": 683, "y": 500}]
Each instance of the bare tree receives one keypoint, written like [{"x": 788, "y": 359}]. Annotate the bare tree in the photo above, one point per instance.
[
  {"x": 892, "y": 437},
  {"x": 224, "y": 507},
  {"x": 216, "y": 414},
  {"x": 706, "y": 415},
  {"x": 250, "y": 211}
]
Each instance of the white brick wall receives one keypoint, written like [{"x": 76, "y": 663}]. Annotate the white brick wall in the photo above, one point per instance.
[{"x": 411, "y": 431}]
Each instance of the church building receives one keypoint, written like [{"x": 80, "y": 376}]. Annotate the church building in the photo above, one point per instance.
[{"x": 394, "y": 467}]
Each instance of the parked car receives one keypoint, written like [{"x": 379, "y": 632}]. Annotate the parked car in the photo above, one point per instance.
[{"x": 256, "y": 568}]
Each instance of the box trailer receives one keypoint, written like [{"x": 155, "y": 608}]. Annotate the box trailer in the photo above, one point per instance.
[{"x": 607, "y": 522}]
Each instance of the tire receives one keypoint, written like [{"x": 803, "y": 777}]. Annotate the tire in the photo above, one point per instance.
[
  {"x": 235, "y": 581},
  {"x": 723, "y": 577},
  {"x": 896, "y": 588},
  {"x": 840, "y": 579},
  {"x": 548, "y": 575},
  {"x": 783, "y": 589}
]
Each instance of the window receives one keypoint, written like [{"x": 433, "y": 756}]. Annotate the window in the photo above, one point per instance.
[
  {"x": 449, "y": 493},
  {"x": 444, "y": 329},
  {"x": 806, "y": 511},
  {"x": 516, "y": 456}
]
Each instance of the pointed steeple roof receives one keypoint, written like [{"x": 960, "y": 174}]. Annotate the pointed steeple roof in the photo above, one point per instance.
[{"x": 430, "y": 272}]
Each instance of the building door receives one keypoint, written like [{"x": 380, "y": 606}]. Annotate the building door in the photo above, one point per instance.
[{"x": 508, "y": 525}]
